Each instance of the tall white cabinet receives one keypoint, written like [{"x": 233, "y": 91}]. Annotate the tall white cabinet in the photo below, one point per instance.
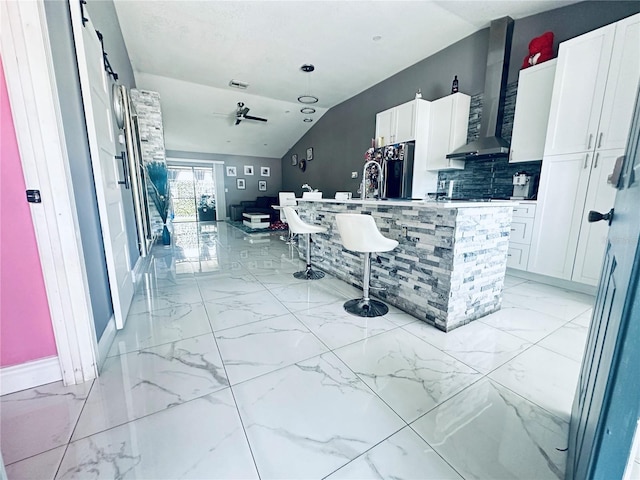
[{"x": 594, "y": 91}]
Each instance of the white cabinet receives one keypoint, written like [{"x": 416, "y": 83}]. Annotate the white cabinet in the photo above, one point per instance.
[
  {"x": 594, "y": 89},
  {"x": 520, "y": 236},
  {"x": 399, "y": 124},
  {"x": 593, "y": 236},
  {"x": 533, "y": 103},
  {"x": 561, "y": 195},
  {"x": 447, "y": 130}
]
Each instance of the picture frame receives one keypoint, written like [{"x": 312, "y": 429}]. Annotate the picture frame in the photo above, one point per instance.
[
  {"x": 294, "y": 159},
  {"x": 265, "y": 171},
  {"x": 240, "y": 184},
  {"x": 262, "y": 185},
  {"x": 309, "y": 154},
  {"x": 248, "y": 169},
  {"x": 232, "y": 172}
]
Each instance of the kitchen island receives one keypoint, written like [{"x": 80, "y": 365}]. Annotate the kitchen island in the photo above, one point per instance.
[{"x": 449, "y": 267}]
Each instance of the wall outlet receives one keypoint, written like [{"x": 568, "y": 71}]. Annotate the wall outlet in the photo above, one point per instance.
[
  {"x": 443, "y": 185},
  {"x": 354, "y": 174},
  {"x": 404, "y": 231}
]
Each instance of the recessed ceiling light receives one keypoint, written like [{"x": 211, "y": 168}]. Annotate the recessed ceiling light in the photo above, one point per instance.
[
  {"x": 308, "y": 120},
  {"x": 286, "y": 111},
  {"x": 265, "y": 144},
  {"x": 308, "y": 99},
  {"x": 228, "y": 141},
  {"x": 308, "y": 110},
  {"x": 307, "y": 67},
  {"x": 377, "y": 38}
]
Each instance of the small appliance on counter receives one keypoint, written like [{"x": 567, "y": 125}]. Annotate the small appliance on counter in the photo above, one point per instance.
[{"x": 522, "y": 186}]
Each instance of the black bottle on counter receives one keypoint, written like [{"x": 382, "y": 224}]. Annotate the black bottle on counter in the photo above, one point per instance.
[{"x": 454, "y": 85}]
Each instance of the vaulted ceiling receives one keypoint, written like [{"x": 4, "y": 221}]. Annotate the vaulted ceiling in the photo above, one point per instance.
[{"x": 189, "y": 51}]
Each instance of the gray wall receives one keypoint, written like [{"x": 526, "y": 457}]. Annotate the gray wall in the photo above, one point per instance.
[
  {"x": 341, "y": 137},
  {"x": 234, "y": 196},
  {"x": 65, "y": 65}
]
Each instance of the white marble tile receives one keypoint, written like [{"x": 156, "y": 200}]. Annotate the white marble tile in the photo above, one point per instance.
[
  {"x": 635, "y": 471},
  {"x": 261, "y": 347},
  {"x": 281, "y": 279},
  {"x": 553, "y": 301},
  {"x": 306, "y": 295},
  {"x": 543, "y": 377},
  {"x": 309, "y": 419},
  {"x": 39, "y": 467},
  {"x": 399, "y": 317},
  {"x": 584, "y": 319},
  {"x": 151, "y": 299},
  {"x": 336, "y": 327},
  {"x": 230, "y": 285},
  {"x": 410, "y": 375},
  {"x": 488, "y": 432},
  {"x": 478, "y": 345},
  {"x": 243, "y": 309},
  {"x": 568, "y": 341},
  {"x": 404, "y": 455},
  {"x": 199, "y": 439},
  {"x": 39, "y": 419},
  {"x": 511, "y": 281},
  {"x": 523, "y": 323},
  {"x": 150, "y": 329},
  {"x": 136, "y": 384}
]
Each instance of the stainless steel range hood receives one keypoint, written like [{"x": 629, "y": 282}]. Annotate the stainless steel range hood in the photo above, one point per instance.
[{"x": 490, "y": 144}]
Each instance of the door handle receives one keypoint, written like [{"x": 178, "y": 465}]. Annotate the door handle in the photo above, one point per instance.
[
  {"x": 595, "y": 161},
  {"x": 600, "y": 139},
  {"x": 125, "y": 170},
  {"x": 586, "y": 160},
  {"x": 589, "y": 142},
  {"x": 597, "y": 216}
]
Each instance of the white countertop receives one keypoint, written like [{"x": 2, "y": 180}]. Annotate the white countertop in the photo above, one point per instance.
[{"x": 419, "y": 203}]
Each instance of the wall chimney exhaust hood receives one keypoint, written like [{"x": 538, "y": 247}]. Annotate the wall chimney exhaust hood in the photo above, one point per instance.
[{"x": 490, "y": 144}]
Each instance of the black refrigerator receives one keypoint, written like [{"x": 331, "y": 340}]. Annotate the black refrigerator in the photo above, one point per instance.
[{"x": 397, "y": 168}]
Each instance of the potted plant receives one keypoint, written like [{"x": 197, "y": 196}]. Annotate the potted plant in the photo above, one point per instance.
[
  {"x": 159, "y": 193},
  {"x": 207, "y": 209}
]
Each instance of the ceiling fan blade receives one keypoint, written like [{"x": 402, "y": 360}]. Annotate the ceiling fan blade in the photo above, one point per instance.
[
  {"x": 238, "y": 120},
  {"x": 249, "y": 117}
]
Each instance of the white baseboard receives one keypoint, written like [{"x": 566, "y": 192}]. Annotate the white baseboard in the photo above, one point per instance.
[
  {"x": 139, "y": 268},
  {"x": 29, "y": 375},
  {"x": 104, "y": 344},
  {"x": 555, "y": 282}
]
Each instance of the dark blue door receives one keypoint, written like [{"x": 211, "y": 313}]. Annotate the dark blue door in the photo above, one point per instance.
[{"x": 607, "y": 403}]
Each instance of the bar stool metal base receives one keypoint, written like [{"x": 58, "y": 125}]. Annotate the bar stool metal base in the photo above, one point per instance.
[
  {"x": 309, "y": 274},
  {"x": 366, "y": 308}
]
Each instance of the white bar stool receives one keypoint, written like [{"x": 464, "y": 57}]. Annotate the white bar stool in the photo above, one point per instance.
[
  {"x": 359, "y": 233},
  {"x": 296, "y": 225}
]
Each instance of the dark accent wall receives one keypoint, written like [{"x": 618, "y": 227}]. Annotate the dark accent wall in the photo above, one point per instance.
[
  {"x": 341, "y": 137},
  {"x": 68, "y": 84},
  {"x": 234, "y": 196}
]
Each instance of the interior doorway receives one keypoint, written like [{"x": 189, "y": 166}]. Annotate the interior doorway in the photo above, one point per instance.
[{"x": 193, "y": 193}]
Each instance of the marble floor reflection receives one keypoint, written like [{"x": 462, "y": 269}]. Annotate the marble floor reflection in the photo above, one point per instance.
[{"x": 229, "y": 367}]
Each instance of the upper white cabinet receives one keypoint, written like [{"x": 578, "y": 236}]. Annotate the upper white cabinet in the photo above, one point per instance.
[
  {"x": 594, "y": 89},
  {"x": 533, "y": 103},
  {"x": 399, "y": 124},
  {"x": 447, "y": 130}
]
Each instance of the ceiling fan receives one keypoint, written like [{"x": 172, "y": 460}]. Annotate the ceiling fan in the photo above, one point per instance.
[{"x": 241, "y": 114}]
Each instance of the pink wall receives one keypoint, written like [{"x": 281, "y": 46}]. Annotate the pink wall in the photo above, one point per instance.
[{"x": 25, "y": 323}]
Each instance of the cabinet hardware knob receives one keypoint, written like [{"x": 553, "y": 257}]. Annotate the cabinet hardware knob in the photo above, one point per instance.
[
  {"x": 600, "y": 139},
  {"x": 597, "y": 216}
]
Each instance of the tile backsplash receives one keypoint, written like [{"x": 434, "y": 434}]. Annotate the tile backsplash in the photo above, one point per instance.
[{"x": 489, "y": 178}]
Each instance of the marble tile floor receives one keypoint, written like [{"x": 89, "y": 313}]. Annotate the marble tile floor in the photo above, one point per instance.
[{"x": 229, "y": 367}]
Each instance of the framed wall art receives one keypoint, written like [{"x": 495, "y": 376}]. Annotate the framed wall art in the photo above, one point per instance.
[
  {"x": 240, "y": 185},
  {"x": 309, "y": 154},
  {"x": 294, "y": 159},
  {"x": 265, "y": 171},
  {"x": 232, "y": 172},
  {"x": 248, "y": 169},
  {"x": 262, "y": 185}
]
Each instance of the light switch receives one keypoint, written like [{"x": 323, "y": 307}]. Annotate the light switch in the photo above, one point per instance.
[{"x": 354, "y": 174}]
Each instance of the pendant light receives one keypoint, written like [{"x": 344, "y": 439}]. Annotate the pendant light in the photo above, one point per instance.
[{"x": 307, "y": 98}]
